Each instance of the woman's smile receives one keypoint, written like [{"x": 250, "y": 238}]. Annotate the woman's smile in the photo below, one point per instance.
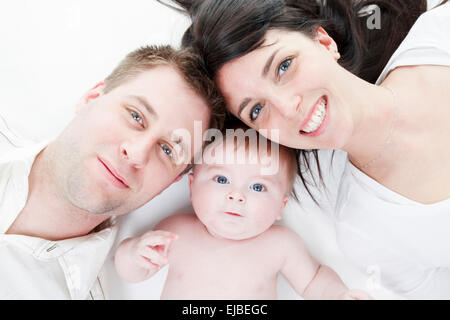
[{"x": 314, "y": 124}]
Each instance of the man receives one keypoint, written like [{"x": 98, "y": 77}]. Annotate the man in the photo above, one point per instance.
[{"x": 120, "y": 151}]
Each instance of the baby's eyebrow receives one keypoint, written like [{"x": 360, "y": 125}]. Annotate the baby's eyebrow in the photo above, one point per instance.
[
  {"x": 210, "y": 167},
  {"x": 269, "y": 178}
]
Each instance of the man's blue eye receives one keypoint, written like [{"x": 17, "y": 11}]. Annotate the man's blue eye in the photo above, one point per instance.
[
  {"x": 166, "y": 150},
  {"x": 284, "y": 66},
  {"x": 221, "y": 180},
  {"x": 258, "y": 187},
  {"x": 137, "y": 117},
  {"x": 254, "y": 113}
]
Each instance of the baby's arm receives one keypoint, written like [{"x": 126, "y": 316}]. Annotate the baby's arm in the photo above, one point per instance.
[
  {"x": 137, "y": 259},
  {"x": 310, "y": 279}
]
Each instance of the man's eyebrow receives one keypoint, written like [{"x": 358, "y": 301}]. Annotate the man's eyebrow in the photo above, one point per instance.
[
  {"x": 269, "y": 63},
  {"x": 144, "y": 102}
]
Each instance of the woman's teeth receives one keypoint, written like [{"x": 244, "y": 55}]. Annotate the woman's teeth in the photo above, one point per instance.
[{"x": 317, "y": 117}]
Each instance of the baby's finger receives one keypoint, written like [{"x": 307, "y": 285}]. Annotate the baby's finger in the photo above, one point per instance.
[
  {"x": 159, "y": 233},
  {"x": 359, "y": 295},
  {"x": 155, "y": 240},
  {"x": 146, "y": 263},
  {"x": 153, "y": 256}
]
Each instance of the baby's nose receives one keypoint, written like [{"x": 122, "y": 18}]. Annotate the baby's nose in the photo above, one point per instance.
[{"x": 236, "y": 197}]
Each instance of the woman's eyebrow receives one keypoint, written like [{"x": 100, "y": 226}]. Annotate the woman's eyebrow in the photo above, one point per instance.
[
  {"x": 264, "y": 74},
  {"x": 243, "y": 105},
  {"x": 269, "y": 63}
]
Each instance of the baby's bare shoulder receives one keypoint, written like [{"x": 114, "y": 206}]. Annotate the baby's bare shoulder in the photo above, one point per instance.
[
  {"x": 177, "y": 223},
  {"x": 283, "y": 236}
]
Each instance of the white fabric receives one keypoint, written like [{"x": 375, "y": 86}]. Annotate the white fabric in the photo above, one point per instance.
[
  {"x": 35, "y": 268},
  {"x": 406, "y": 242},
  {"x": 427, "y": 43}
]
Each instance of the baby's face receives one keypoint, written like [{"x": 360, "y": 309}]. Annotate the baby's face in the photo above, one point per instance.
[{"x": 235, "y": 201}]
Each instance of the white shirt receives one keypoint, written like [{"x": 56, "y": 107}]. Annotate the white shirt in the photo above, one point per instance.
[
  {"x": 35, "y": 268},
  {"x": 406, "y": 242}
]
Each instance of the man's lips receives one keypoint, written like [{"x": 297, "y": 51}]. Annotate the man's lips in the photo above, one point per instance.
[{"x": 117, "y": 180}]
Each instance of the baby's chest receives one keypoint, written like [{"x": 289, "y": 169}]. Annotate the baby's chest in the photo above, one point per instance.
[{"x": 224, "y": 267}]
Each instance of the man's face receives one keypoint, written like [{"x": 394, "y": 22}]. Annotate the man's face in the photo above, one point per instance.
[{"x": 120, "y": 151}]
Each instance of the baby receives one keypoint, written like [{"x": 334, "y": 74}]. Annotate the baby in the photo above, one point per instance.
[{"x": 230, "y": 248}]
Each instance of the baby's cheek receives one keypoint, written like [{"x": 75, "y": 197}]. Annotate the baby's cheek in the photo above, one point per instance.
[
  {"x": 265, "y": 213},
  {"x": 204, "y": 199}
]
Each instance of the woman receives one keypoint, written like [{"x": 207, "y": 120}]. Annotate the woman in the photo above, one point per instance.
[{"x": 327, "y": 78}]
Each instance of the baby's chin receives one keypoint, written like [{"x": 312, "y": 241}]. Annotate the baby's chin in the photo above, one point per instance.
[{"x": 231, "y": 234}]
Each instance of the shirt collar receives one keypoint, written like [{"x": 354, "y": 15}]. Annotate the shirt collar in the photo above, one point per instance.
[{"x": 15, "y": 166}]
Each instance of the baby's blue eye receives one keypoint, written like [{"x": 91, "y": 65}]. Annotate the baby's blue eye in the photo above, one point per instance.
[
  {"x": 137, "y": 117},
  {"x": 254, "y": 113},
  {"x": 221, "y": 180},
  {"x": 258, "y": 187},
  {"x": 284, "y": 66}
]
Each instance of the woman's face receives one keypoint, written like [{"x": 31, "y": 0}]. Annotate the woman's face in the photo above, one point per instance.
[{"x": 294, "y": 84}]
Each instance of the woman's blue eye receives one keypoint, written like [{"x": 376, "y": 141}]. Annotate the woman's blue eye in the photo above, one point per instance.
[
  {"x": 258, "y": 187},
  {"x": 254, "y": 113},
  {"x": 284, "y": 66},
  {"x": 137, "y": 117},
  {"x": 221, "y": 180}
]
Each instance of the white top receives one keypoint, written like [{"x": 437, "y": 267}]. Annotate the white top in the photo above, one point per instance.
[
  {"x": 406, "y": 242},
  {"x": 35, "y": 268}
]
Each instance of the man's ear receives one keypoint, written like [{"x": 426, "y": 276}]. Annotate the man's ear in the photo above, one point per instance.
[
  {"x": 90, "y": 95},
  {"x": 325, "y": 40}
]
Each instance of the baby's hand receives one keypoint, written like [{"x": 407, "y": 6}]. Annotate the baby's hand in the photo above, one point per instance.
[
  {"x": 354, "y": 295},
  {"x": 150, "y": 250}
]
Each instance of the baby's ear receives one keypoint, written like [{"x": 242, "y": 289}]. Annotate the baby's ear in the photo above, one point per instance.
[
  {"x": 178, "y": 178},
  {"x": 285, "y": 200},
  {"x": 283, "y": 205},
  {"x": 190, "y": 179}
]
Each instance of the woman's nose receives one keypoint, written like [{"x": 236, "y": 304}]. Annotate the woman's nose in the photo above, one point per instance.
[{"x": 288, "y": 106}]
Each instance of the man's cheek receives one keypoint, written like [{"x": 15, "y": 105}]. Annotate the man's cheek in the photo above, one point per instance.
[{"x": 159, "y": 178}]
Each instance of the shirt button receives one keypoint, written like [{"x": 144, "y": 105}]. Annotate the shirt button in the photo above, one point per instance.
[{"x": 51, "y": 248}]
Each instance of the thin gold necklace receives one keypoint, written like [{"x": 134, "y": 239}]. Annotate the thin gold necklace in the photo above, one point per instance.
[{"x": 388, "y": 139}]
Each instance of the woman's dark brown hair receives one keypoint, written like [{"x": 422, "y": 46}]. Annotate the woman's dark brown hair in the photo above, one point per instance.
[{"x": 223, "y": 30}]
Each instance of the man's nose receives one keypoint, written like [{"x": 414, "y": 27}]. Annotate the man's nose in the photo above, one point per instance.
[
  {"x": 137, "y": 150},
  {"x": 287, "y": 105},
  {"x": 236, "y": 196}
]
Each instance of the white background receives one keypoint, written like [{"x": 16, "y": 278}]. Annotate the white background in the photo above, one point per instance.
[{"x": 53, "y": 51}]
